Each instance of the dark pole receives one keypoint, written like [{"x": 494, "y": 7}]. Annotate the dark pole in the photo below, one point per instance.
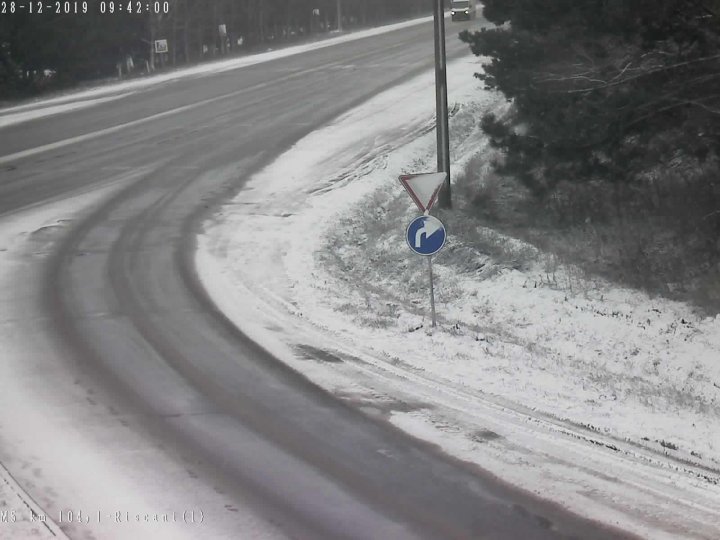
[
  {"x": 441, "y": 118},
  {"x": 339, "y": 16}
]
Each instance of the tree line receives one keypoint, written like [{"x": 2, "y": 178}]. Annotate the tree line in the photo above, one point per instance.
[
  {"x": 614, "y": 129},
  {"x": 602, "y": 87},
  {"x": 38, "y": 51}
]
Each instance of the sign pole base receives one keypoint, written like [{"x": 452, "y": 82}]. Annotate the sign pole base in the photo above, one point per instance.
[{"x": 432, "y": 293}]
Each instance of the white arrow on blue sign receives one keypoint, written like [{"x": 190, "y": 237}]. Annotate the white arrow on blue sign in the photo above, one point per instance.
[{"x": 426, "y": 235}]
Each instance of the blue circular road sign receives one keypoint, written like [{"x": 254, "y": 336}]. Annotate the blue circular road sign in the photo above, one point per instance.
[{"x": 426, "y": 235}]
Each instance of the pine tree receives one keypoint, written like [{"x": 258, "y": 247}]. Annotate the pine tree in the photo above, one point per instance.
[{"x": 602, "y": 89}]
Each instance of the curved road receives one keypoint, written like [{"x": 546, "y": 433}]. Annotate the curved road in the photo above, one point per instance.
[{"x": 126, "y": 309}]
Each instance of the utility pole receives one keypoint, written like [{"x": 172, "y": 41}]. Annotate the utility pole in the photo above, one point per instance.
[
  {"x": 441, "y": 115},
  {"x": 339, "y": 15}
]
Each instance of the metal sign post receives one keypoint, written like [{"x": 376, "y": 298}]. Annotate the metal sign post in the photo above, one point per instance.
[
  {"x": 426, "y": 236},
  {"x": 432, "y": 292},
  {"x": 441, "y": 102}
]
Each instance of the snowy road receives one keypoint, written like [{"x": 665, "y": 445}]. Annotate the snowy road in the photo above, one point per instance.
[{"x": 131, "y": 406}]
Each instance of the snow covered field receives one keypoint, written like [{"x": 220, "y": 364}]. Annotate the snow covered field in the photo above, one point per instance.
[{"x": 600, "y": 398}]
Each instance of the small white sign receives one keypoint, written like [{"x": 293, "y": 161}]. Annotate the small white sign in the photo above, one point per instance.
[{"x": 161, "y": 46}]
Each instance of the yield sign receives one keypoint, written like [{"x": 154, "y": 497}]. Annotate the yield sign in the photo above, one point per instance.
[{"x": 423, "y": 188}]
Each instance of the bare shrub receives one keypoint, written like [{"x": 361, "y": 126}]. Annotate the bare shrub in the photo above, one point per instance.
[{"x": 660, "y": 234}]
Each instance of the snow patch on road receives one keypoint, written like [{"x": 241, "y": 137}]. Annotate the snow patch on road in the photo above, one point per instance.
[
  {"x": 23, "y": 516},
  {"x": 71, "y": 450},
  {"x": 20, "y": 516},
  {"x": 49, "y": 110}
]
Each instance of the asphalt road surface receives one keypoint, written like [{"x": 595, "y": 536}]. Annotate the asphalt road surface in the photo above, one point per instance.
[{"x": 122, "y": 301}]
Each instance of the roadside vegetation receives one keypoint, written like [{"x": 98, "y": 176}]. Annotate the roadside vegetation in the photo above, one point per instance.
[
  {"x": 608, "y": 154},
  {"x": 46, "y": 51}
]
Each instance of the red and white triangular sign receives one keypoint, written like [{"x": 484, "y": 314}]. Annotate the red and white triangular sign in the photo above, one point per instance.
[{"x": 423, "y": 188}]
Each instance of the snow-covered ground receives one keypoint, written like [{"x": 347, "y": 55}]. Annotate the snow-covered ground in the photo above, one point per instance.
[
  {"x": 100, "y": 94},
  {"x": 600, "y": 398}
]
